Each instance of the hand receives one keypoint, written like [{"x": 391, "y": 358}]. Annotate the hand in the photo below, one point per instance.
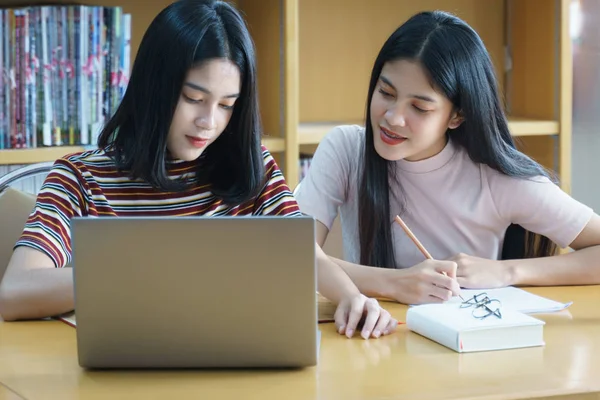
[
  {"x": 480, "y": 273},
  {"x": 432, "y": 281},
  {"x": 355, "y": 309}
]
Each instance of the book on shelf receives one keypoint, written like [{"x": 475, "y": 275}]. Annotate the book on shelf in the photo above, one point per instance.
[{"x": 63, "y": 69}]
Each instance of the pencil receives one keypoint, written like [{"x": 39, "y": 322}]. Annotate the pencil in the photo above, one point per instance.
[{"x": 417, "y": 242}]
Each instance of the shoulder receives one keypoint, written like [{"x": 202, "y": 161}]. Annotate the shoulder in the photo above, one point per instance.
[
  {"x": 349, "y": 137},
  {"x": 83, "y": 161}
]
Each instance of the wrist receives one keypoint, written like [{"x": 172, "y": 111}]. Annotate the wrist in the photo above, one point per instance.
[
  {"x": 384, "y": 283},
  {"x": 512, "y": 272}
]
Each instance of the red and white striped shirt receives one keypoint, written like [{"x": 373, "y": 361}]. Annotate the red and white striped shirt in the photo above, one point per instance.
[{"x": 89, "y": 184}]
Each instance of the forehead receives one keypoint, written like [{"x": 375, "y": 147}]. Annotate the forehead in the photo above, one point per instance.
[
  {"x": 220, "y": 76},
  {"x": 407, "y": 76}
]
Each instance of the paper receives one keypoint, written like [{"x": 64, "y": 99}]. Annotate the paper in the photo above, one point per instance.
[{"x": 512, "y": 298}]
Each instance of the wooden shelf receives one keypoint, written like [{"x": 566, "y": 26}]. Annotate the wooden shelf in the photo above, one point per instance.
[
  {"x": 31, "y": 156},
  {"x": 274, "y": 144},
  {"x": 313, "y": 133}
]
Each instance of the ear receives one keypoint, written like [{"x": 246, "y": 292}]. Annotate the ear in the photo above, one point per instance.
[{"x": 455, "y": 120}]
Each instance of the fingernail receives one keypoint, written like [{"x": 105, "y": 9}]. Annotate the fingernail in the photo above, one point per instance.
[
  {"x": 341, "y": 329},
  {"x": 385, "y": 332},
  {"x": 376, "y": 333},
  {"x": 365, "y": 334},
  {"x": 349, "y": 333}
]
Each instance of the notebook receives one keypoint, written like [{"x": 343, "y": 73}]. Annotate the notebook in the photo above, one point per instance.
[
  {"x": 457, "y": 329},
  {"x": 516, "y": 299}
]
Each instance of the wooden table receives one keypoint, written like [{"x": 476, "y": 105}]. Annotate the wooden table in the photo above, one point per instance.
[{"x": 38, "y": 360}]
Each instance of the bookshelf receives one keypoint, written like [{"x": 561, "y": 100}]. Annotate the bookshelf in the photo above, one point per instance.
[
  {"x": 315, "y": 58},
  {"x": 528, "y": 41}
]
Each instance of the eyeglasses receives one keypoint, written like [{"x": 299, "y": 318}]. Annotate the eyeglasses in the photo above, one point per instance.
[{"x": 484, "y": 307}]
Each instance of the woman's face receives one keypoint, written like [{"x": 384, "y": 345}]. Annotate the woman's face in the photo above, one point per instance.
[
  {"x": 408, "y": 116},
  {"x": 204, "y": 109}
]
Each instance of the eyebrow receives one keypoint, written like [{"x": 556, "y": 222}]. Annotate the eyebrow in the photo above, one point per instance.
[
  {"x": 203, "y": 89},
  {"x": 416, "y": 96}
]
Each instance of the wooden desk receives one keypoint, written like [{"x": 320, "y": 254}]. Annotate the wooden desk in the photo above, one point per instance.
[{"x": 38, "y": 360}]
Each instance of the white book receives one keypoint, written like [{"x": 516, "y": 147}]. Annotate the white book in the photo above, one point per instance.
[{"x": 456, "y": 328}]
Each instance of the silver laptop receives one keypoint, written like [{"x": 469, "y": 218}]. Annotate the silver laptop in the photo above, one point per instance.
[{"x": 197, "y": 292}]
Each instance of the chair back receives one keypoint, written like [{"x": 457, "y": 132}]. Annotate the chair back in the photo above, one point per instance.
[{"x": 15, "y": 206}]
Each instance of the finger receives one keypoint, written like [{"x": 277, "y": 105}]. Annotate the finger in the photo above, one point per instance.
[
  {"x": 434, "y": 300},
  {"x": 442, "y": 281},
  {"x": 373, "y": 314},
  {"x": 463, "y": 282},
  {"x": 447, "y": 267},
  {"x": 382, "y": 323},
  {"x": 341, "y": 317},
  {"x": 391, "y": 327},
  {"x": 355, "y": 315},
  {"x": 441, "y": 293}
]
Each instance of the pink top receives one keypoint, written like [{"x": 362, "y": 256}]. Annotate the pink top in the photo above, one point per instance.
[{"x": 453, "y": 205}]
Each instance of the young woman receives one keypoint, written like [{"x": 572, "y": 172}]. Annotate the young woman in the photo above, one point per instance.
[
  {"x": 185, "y": 140},
  {"x": 436, "y": 150}
]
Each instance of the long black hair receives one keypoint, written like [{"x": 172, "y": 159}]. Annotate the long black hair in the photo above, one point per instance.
[
  {"x": 183, "y": 35},
  {"x": 459, "y": 66}
]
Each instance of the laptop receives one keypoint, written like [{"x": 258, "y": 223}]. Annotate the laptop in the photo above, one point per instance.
[{"x": 195, "y": 292}]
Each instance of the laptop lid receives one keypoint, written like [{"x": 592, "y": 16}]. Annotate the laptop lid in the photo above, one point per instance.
[{"x": 195, "y": 291}]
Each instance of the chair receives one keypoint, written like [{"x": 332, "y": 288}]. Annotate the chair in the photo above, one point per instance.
[
  {"x": 334, "y": 244},
  {"x": 28, "y": 171},
  {"x": 15, "y": 207}
]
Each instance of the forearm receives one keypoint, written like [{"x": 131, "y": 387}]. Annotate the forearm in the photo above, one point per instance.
[
  {"x": 333, "y": 282},
  {"x": 580, "y": 267},
  {"x": 371, "y": 281},
  {"x": 36, "y": 293}
]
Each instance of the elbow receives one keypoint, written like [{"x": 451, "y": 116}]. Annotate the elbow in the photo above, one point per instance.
[{"x": 8, "y": 304}]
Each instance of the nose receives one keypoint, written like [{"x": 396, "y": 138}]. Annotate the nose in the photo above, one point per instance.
[
  {"x": 206, "y": 121},
  {"x": 394, "y": 116}
]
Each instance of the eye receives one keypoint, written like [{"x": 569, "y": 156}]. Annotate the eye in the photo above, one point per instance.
[
  {"x": 226, "y": 107},
  {"x": 190, "y": 100},
  {"x": 384, "y": 93},
  {"x": 420, "y": 110}
]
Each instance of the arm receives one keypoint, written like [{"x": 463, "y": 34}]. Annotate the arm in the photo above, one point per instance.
[
  {"x": 580, "y": 267},
  {"x": 35, "y": 285},
  {"x": 332, "y": 282},
  {"x": 33, "y": 288},
  {"x": 541, "y": 207},
  {"x": 423, "y": 283}
]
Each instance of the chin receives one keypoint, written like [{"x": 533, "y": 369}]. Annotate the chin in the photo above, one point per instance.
[
  {"x": 387, "y": 152},
  {"x": 188, "y": 155}
]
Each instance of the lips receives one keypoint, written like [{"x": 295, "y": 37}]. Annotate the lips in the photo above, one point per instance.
[
  {"x": 197, "y": 142},
  {"x": 390, "y": 137}
]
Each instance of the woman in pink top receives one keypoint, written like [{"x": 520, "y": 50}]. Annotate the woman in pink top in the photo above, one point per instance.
[{"x": 436, "y": 150}]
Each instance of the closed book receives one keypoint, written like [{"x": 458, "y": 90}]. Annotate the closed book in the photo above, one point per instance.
[{"x": 456, "y": 328}]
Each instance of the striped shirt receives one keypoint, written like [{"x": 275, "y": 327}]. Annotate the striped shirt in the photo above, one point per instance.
[{"x": 89, "y": 184}]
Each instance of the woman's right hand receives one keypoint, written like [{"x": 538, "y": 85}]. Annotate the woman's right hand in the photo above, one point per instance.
[{"x": 432, "y": 281}]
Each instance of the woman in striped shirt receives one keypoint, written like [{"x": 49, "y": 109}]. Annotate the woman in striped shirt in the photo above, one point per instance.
[{"x": 185, "y": 140}]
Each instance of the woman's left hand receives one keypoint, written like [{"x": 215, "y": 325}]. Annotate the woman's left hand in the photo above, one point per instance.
[{"x": 480, "y": 273}]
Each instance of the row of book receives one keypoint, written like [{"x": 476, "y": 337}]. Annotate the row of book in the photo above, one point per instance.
[
  {"x": 304, "y": 161},
  {"x": 63, "y": 71}
]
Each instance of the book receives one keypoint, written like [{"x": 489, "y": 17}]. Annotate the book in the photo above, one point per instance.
[
  {"x": 457, "y": 329},
  {"x": 512, "y": 298}
]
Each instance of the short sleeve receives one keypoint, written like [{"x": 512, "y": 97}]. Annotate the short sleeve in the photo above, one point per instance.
[
  {"x": 48, "y": 228},
  {"x": 539, "y": 206},
  {"x": 325, "y": 187},
  {"x": 276, "y": 197}
]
